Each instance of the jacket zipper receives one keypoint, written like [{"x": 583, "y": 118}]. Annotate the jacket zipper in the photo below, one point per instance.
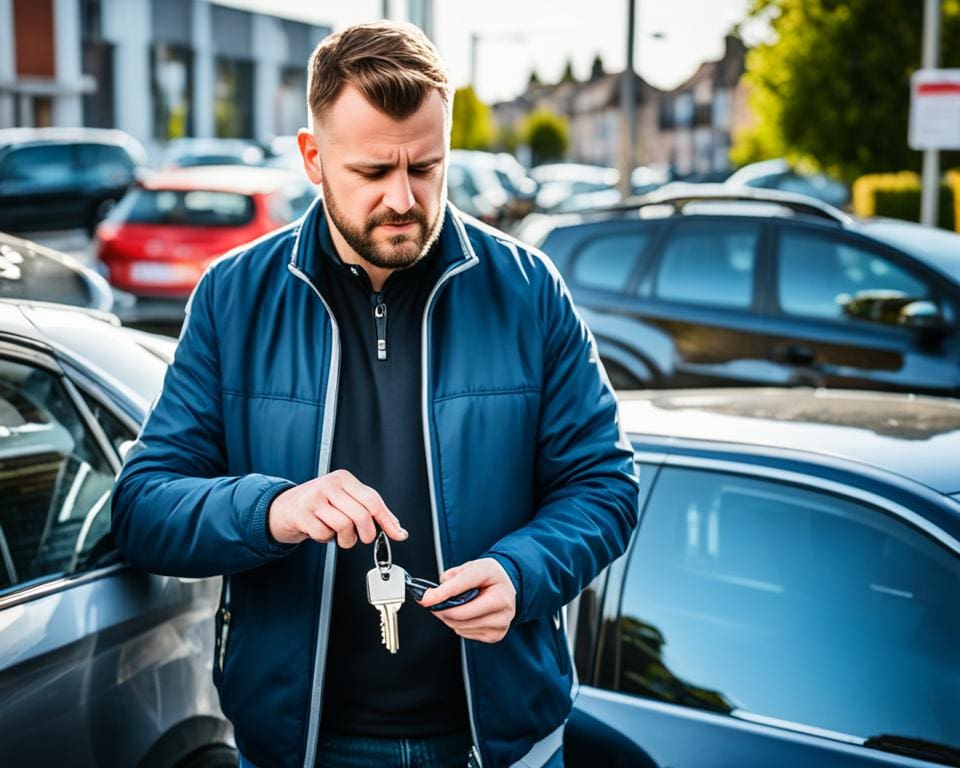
[
  {"x": 425, "y": 415},
  {"x": 323, "y": 466},
  {"x": 380, "y": 318}
]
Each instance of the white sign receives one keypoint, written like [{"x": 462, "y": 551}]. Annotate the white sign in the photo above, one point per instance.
[{"x": 935, "y": 109}]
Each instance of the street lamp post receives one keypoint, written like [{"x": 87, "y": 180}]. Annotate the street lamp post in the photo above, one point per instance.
[
  {"x": 929, "y": 198},
  {"x": 628, "y": 105}
]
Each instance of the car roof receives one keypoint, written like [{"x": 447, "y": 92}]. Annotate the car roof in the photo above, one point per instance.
[
  {"x": 937, "y": 248},
  {"x": 130, "y": 362},
  {"x": 907, "y": 435},
  {"x": 13, "y": 136},
  {"x": 241, "y": 179}
]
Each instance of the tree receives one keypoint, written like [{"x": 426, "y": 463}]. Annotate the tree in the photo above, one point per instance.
[
  {"x": 533, "y": 80},
  {"x": 568, "y": 76},
  {"x": 547, "y": 134},
  {"x": 473, "y": 125},
  {"x": 596, "y": 69},
  {"x": 833, "y": 87}
]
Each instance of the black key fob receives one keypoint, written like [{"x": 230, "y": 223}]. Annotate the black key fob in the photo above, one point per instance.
[{"x": 417, "y": 587}]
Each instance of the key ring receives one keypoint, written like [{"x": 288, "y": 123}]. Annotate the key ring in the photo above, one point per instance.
[{"x": 383, "y": 566}]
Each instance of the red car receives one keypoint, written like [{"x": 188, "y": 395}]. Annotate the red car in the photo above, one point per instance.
[{"x": 161, "y": 236}]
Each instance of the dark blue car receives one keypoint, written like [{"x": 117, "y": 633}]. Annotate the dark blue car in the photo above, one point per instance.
[
  {"x": 700, "y": 285},
  {"x": 791, "y": 596}
]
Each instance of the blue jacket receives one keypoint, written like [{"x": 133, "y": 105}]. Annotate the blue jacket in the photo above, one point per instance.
[{"x": 526, "y": 463}]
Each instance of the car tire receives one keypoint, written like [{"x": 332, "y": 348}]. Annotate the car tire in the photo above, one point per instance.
[{"x": 216, "y": 756}]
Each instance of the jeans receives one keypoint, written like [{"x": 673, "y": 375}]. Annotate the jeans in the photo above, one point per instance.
[{"x": 341, "y": 751}]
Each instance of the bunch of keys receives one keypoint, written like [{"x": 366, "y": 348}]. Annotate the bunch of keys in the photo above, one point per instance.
[{"x": 387, "y": 587}]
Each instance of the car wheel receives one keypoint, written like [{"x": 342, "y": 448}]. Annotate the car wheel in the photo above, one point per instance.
[{"x": 217, "y": 756}]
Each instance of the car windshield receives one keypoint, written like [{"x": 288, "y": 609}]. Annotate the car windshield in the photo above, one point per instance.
[
  {"x": 937, "y": 247},
  {"x": 188, "y": 208}
]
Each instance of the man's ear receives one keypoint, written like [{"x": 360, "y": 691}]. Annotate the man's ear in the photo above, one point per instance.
[{"x": 310, "y": 153}]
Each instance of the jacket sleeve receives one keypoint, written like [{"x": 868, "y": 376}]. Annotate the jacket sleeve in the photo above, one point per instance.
[
  {"x": 174, "y": 510},
  {"x": 586, "y": 480}
]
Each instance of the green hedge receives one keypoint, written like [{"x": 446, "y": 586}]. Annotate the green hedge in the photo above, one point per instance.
[{"x": 897, "y": 196}]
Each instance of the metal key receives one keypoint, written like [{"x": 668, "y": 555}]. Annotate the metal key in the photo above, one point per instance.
[{"x": 386, "y": 591}]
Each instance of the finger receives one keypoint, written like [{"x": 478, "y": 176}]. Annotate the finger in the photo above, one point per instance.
[
  {"x": 317, "y": 531},
  {"x": 358, "y": 514},
  {"x": 463, "y": 580},
  {"x": 373, "y": 503},
  {"x": 450, "y": 573},
  {"x": 339, "y": 522},
  {"x": 499, "y": 620},
  {"x": 487, "y": 602}
]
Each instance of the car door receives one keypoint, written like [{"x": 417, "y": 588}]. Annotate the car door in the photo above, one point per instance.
[
  {"x": 600, "y": 262},
  {"x": 97, "y": 660},
  {"x": 836, "y": 320},
  {"x": 757, "y": 621},
  {"x": 701, "y": 290}
]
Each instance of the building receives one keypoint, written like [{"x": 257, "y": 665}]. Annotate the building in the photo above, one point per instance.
[
  {"x": 158, "y": 69},
  {"x": 690, "y": 128}
]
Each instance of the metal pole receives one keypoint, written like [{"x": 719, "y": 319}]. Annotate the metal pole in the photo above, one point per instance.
[
  {"x": 930, "y": 196},
  {"x": 628, "y": 105},
  {"x": 385, "y": 9},
  {"x": 474, "y": 42}
]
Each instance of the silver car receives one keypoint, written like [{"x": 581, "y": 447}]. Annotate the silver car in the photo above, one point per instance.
[{"x": 100, "y": 664}]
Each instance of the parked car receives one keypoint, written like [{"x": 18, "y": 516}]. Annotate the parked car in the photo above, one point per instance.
[
  {"x": 779, "y": 174},
  {"x": 160, "y": 238},
  {"x": 63, "y": 178},
  {"x": 789, "y": 597},
  {"x": 509, "y": 187},
  {"x": 188, "y": 152},
  {"x": 100, "y": 664},
  {"x": 475, "y": 189},
  {"x": 699, "y": 285},
  {"x": 559, "y": 182},
  {"x": 36, "y": 273}
]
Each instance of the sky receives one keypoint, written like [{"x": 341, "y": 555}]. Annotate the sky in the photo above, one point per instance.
[{"x": 518, "y": 36}]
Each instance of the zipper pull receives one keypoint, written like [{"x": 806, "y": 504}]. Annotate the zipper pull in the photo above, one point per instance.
[
  {"x": 380, "y": 316},
  {"x": 224, "y": 631}
]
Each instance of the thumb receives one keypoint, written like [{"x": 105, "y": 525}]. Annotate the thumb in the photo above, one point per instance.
[{"x": 461, "y": 581}]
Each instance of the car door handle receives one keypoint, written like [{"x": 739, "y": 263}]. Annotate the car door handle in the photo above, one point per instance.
[{"x": 794, "y": 354}]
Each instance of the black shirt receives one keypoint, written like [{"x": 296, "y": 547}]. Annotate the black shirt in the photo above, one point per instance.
[{"x": 378, "y": 437}]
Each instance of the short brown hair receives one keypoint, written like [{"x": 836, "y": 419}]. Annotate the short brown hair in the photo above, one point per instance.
[{"x": 394, "y": 65}]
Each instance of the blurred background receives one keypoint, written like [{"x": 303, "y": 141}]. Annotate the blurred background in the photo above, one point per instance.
[{"x": 113, "y": 111}]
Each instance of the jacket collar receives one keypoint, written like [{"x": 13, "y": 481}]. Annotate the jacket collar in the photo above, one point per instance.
[{"x": 454, "y": 248}]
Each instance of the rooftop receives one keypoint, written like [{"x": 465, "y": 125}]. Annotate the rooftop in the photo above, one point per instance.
[{"x": 916, "y": 437}]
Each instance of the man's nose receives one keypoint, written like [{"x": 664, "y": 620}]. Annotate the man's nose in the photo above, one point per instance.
[{"x": 399, "y": 195}]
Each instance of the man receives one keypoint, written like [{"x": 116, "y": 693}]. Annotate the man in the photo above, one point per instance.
[{"x": 384, "y": 363}]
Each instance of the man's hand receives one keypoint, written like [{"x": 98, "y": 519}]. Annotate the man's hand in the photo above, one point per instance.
[
  {"x": 336, "y": 505},
  {"x": 485, "y": 618}
]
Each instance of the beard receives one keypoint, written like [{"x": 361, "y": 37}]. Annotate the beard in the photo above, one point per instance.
[{"x": 401, "y": 250}]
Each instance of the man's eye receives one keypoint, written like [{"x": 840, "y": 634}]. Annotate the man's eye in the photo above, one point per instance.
[
  {"x": 421, "y": 170},
  {"x": 373, "y": 174}
]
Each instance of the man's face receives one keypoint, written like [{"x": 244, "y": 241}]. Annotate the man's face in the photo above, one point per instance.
[{"x": 383, "y": 180}]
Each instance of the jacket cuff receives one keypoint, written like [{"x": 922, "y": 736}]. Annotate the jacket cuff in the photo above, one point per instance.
[
  {"x": 259, "y": 530},
  {"x": 515, "y": 576}
]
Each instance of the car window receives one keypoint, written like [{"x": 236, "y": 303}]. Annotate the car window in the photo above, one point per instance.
[
  {"x": 105, "y": 165},
  {"x": 39, "y": 168},
  {"x": 116, "y": 431},
  {"x": 824, "y": 277},
  {"x": 55, "y": 481},
  {"x": 607, "y": 261},
  {"x": 752, "y": 596},
  {"x": 26, "y": 273},
  {"x": 290, "y": 203},
  {"x": 708, "y": 263},
  {"x": 193, "y": 208}
]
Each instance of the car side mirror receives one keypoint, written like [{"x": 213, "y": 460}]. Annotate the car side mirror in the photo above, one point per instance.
[{"x": 923, "y": 316}]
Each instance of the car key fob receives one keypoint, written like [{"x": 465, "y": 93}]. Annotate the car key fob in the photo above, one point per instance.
[{"x": 417, "y": 587}]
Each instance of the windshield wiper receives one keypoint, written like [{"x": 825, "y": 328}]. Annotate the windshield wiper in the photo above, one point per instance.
[{"x": 911, "y": 747}]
